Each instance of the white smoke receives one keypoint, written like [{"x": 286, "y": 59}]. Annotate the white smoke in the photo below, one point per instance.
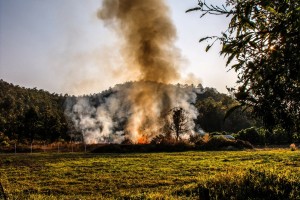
[
  {"x": 136, "y": 111},
  {"x": 103, "y": 118}
]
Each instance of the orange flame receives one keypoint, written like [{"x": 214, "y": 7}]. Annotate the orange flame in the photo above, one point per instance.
[{"x": 142, "y": 140}]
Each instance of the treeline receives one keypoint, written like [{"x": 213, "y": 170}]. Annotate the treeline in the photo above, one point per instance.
[
  {"x": 31, "y": 114},
  {"x": 212, "y": 108},
  {"x": 28, "y": 115}
]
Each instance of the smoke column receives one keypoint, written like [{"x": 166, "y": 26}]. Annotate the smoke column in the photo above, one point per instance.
[
  {"x": 147, "y": 45},
  {"x": 148, "y": 49},
  {"x": 148, "y": 37}
]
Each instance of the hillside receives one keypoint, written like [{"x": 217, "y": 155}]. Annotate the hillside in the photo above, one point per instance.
[{"x": 31, "y": 114}]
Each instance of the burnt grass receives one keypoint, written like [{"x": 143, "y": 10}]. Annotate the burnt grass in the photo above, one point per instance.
[{"x": 213, "y": 144}]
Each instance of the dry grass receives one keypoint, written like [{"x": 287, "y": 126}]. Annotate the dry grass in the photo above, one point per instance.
[{"x": 149, "y": 175}]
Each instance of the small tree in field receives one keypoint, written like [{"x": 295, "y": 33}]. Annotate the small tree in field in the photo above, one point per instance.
[{"x": 178, "y": 122}]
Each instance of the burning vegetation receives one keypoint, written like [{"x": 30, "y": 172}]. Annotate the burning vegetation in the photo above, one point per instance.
[
  {"x": 110, "y": 116},
  {"x": 138, "y": 112}
]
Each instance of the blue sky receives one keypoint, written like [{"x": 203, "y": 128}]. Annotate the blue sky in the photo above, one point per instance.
[{"x": 61, "y": 46}]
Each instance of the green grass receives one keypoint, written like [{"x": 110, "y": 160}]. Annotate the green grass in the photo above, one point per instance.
[{"x": 151, "y": 175}]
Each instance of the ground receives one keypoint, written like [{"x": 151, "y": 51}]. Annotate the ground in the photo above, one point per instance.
[{"x": 150, "y": 175}]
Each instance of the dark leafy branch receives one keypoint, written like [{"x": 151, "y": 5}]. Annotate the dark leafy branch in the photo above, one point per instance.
[{"x": 261, "y": 43}]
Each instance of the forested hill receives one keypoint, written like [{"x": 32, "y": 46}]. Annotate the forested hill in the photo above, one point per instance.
[{"x": 32, "y": 114}]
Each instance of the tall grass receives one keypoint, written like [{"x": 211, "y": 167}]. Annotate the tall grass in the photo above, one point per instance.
[{"x": 272, "y": 174}]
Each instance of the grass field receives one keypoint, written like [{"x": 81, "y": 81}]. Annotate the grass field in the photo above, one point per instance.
[{"x": 256, "y": 174}]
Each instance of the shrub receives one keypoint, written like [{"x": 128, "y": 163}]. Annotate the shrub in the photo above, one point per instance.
[
  {"x": 195, "y": 138},
  {"x": 4, "y": 140},
  {"x": 221, "y": 143},
  {"x": 218, "y": 142},
  {"x": 4, "y": 144},
  {"x": 202, "y": 140},
  {"x": 241, "y": 144},
  {"x": 279, "y": 136},
  {"x": 254, "y": 184},
  {"x": 251, "y": 135},
  {"x": 163, "y": 139},
  {"x": 296, "y": 137}
]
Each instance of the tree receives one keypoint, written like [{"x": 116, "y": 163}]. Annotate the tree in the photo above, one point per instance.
[
  {"x": 263, "y": 39},
  {"x": 179, "y": 122},
  {"x": 31, "y": 114},
  {"x": 211, "y": 115},
  {"x": 32, "y": 124}
]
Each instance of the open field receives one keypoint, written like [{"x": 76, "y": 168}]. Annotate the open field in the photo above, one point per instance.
[{"x": 258, "y": 174}]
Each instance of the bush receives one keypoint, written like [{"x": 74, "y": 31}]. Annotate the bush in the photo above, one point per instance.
[
  {"x": 4, "y": 140},
  {"x": 163, "y": 140},
  {"x": 218, "y": 142},
  {"x": 4, "y": 144},
  {"x": 249, "y": 134},
  {"x": 221, "y": 143},
  {"x": 279, "y": 136},
  {"x": 254, "y": 184},
  {"x": 257, "y": 136},
  {"x": 195, "y": 138},
  {"x": 261, "y": 136},
  {"x": 296, "y": 137},
  {"x": 241, "y": 144}
]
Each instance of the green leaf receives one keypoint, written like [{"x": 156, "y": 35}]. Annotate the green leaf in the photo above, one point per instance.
[
  {"x": 193, "y": 9},
  {"x": 205, "y": 38},
  {"x": 208, "y": 47},
  {"x": 236, "y": 67},
  {"x": 231, "y": 110},
  {"x": 224, "y": 35},
  {"x": 226, "y": 48},
  {"x": 230, "y": 58},
  {"x": 272, "y": 10}
]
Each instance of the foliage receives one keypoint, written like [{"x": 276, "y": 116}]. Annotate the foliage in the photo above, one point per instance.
[
  {"x": 179, "y": 122},
  {"x": 261, "y": 136},
  {"x": 221, "y": 143},
  {"x": 4, "y": 140},
  {"x": 254, "y": 184},
  {"x": 163, "y": 139},
  {"x": 31, "y": 114},
  {"x": 263, "y": 39},
  {"x": 251, "y": 135},
  {"x": 210, "y": 104},
  {"x": 151, "y": 175},
  {"x": 212, "y": 107},
  {"x": 196, "y": 138}
]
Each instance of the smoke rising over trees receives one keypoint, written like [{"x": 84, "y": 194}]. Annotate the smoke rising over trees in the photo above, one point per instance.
[
  {"x": 105, "y": 117},
  {"x": 149, "y": 53},
  {"x": 53, "y": 115}
]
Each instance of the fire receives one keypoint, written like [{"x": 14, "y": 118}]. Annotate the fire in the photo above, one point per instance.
[
  {"x": 142, "y": 140},
  {"x": 150, "y": 57}
]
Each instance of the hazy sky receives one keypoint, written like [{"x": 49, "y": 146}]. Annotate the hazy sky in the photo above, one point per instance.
[{"x": 61, "y": 46}]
